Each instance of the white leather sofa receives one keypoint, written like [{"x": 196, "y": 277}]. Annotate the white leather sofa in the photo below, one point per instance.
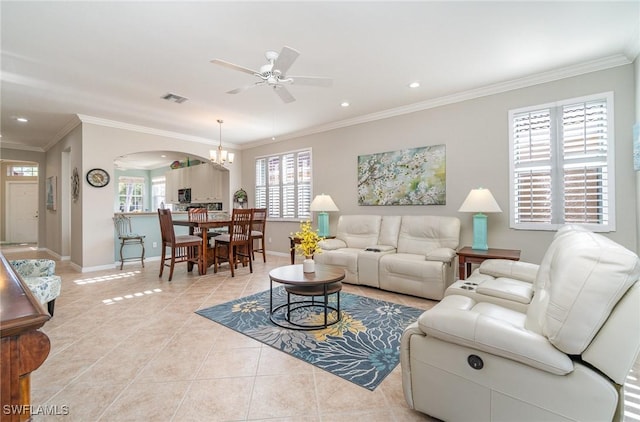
[
  {"x": 565, "y": 359},
  {"x": 505, "y": 282},
  {"x": 501, "y": 281},
  {"x": 406, "y": 254}
]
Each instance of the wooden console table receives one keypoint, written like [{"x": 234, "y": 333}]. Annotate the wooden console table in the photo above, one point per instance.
[
  {"x": 468, "y": 256},
  {"x": 23, "y": 348}
]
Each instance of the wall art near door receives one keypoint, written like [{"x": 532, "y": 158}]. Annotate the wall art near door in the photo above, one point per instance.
[
  {"x": 51, "y": 193},
  {"x": 413, "y": 176}
]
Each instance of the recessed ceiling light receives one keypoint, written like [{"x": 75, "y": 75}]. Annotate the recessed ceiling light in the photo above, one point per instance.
[
  {"x": 414, "y": 84},
  {"x": 163, "y": 156},
  {"x": 344, "y": 104},
  {"x": 22, "y": 119}
]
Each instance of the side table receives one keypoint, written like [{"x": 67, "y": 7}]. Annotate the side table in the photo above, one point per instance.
[
  {"x": 292, "y": 245},
  {"x": 468, "y": 256}
]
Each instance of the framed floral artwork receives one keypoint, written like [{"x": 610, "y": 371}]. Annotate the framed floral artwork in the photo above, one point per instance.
[
  {"x": 415, "y": 176},
  {"x": 51, "y": 192}
]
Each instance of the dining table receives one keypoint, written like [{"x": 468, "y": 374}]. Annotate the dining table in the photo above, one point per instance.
[{"x": 207, "y": 256}]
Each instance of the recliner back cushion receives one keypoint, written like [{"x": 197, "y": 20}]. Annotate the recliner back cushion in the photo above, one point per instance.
[
  {"x": 389, "y": 230},
  {"x": 583, "y": 278},
  {"x": 359, "y": 231},
  {"x": 420, "y": 234}
]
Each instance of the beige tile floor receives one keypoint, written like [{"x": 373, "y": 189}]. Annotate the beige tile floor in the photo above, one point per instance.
[{"x": 127, "y": 346}]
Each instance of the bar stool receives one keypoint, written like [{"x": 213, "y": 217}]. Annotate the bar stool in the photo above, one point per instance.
[{"x": 127, "y": 237}]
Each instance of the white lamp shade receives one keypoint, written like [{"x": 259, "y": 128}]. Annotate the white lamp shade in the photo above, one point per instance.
[
  {"x": 323, "y": 203},
  {"x": 480, "y": 200}
]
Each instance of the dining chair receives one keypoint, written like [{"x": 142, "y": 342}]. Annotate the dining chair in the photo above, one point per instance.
[
  {"x": 184, "y": 248},
  {"x": 236, "y": 245},
  {"x": 258, "y": 227},
  {"x": 122, "y": 225},
  {"x": 200, "y": 214}
]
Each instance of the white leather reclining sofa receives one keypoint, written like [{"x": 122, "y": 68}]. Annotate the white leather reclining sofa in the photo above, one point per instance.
[
  {"x": 412, "y": 255},
  {"x": 564, "y": 358}
]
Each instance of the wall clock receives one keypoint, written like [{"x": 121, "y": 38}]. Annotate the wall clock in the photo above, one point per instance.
[
  {"x": 75, "y": 184},
  {"x": 98, "y": 178}
]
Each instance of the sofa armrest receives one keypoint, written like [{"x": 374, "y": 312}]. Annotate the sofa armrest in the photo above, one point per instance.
[
  {"x": 492, "y": 329},
  {"x": 405, "y": 359},
  {"x": 331, "y": 244},
  {"x": 517, "y": 270},
  {"x": 441, "y": 254}
]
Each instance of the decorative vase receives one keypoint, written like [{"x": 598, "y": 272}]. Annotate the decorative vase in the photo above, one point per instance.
[{"x": 308, "y": 265}]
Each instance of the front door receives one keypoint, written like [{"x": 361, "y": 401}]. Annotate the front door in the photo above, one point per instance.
[{"x": 22, "y": 212}]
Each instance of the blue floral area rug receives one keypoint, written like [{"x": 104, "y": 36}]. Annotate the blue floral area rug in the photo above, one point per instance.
[{"x": 364, "y": 347}]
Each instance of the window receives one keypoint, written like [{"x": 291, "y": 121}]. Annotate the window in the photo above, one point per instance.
[
  {"x": 158, "y": 195},
  {"x": 283, "y": 184},
  {"x": 562, "y": 166},
  {"x": 23, "y": 171},
  {"x": 131, "y": 193}
]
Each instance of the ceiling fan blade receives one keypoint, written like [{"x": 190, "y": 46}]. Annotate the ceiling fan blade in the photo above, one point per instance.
[
  {"x": 284, "y": 94},
  {"x": 233, "y": 66},
  {"x": 311, "y": 80},
  {"x": 244, "y": 88},
  {"x": 285, "y": 59}
]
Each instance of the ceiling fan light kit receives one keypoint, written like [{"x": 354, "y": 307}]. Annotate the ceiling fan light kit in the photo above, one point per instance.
[{"x": 274, "y": 74}]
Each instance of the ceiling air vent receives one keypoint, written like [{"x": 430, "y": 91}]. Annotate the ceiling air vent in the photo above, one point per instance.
[{"x": 175, "y": 98}]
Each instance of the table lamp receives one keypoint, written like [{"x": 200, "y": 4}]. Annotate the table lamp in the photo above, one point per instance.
[
  {"x": 479, "y": 201},
  {"x": 322, "y": 204}
]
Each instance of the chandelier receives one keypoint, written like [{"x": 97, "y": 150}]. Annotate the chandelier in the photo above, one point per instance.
[{"x": 220, "y": 156}]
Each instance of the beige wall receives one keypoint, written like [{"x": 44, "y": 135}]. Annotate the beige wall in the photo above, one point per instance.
[
  {"x": 102, "y": 144},
  {"x": 475, "y": 133}
]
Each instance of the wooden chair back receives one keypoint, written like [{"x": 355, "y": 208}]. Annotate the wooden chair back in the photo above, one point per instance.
[
  {"x": 258, "y": 232},
  {"x": 259, "y": 221},
  {"x": 198, "y": 214},
  {"x": 166, "y": 227},
  {"x": 240, "y": 229}
]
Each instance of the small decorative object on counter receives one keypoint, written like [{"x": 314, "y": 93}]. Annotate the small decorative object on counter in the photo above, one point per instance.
[{"x": 308, "y": 245}]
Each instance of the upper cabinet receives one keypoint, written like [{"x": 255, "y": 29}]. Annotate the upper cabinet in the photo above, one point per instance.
[{"x": 207, "y": 182}]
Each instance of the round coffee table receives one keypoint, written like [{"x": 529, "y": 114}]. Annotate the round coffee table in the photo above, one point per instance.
[{"x": 324, "y": 282}]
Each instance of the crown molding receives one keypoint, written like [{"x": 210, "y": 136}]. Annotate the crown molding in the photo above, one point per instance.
[
  {"x": 497, "y": 88},
  {"x": 72, "y": 124},
  {"x": 149, "y": 130},
  {"x": 21, "y": 147}
]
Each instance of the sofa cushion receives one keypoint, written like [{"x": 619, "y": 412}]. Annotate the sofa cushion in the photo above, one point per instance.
[
  {"x": 420, "y": 234},
  {"x": 493, "y": 329},
  {"x": 359, "y": 231},
  {"x": 585, "y": 275},
  {"x": 518, "y": 270},
  {"x": 389, "y": 229},
  {"x": 507, "y": 288},
  {"x": 331, "y": 244}
]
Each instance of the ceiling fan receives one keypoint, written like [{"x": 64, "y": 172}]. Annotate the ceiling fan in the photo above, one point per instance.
[{"x": 274, "y": 74}]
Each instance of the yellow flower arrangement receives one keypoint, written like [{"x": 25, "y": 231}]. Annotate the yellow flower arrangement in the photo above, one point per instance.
[{"x": 309, "y": 239}]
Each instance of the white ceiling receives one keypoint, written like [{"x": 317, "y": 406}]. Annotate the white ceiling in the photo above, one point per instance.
[{"x": 113, "y": 61}]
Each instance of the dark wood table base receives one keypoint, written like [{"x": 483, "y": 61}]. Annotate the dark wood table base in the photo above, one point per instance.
[{"x": 322, "y": 283}]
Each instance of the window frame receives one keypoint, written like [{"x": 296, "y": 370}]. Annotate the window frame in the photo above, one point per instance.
[
  {"x": 133, "y": 180},
  {"x": 281, "y": 185},
  {"x": 557, "y": 162},
  {"x": 23, "y": 170}
]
